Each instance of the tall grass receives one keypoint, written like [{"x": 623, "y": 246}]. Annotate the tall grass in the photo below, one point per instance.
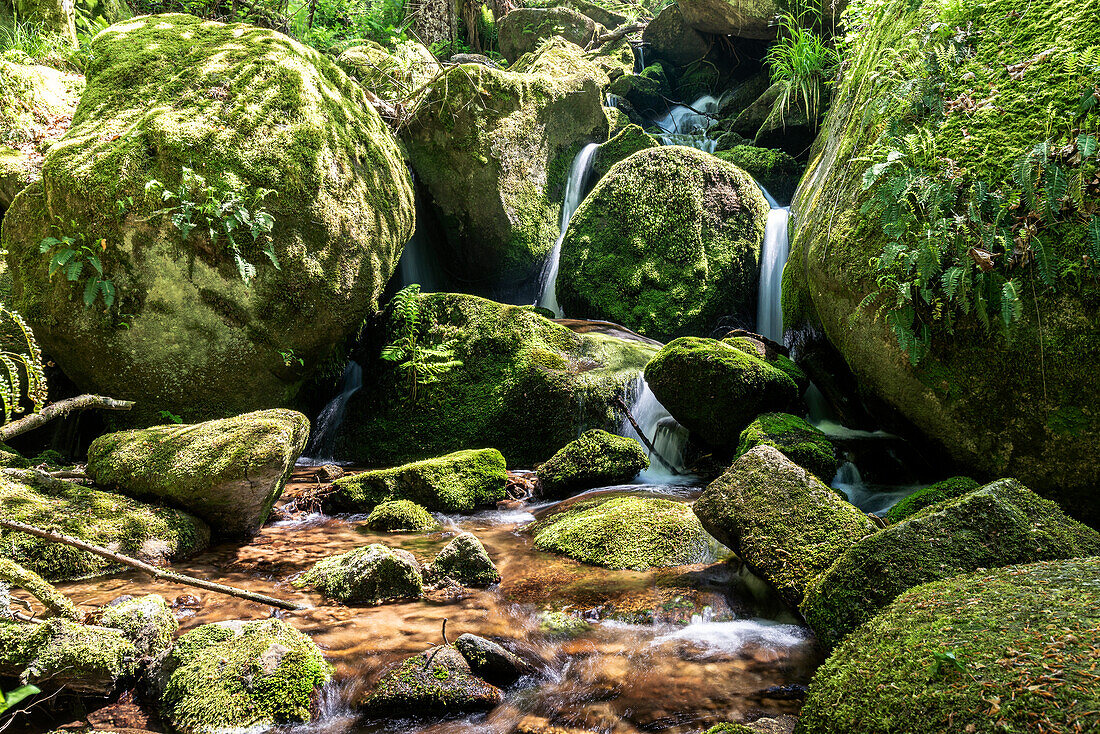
[{"x": 802, "y": 63}]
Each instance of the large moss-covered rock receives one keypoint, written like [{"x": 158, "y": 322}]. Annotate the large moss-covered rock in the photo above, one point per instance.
[
  {"x": 458, "y": 482},
  {"x": 622, "y": 145},
  {"x": 715, "y": 390},
  {"x": 648, "y": 92},
  {"x": 799, "y": 441},
  {"x": 229, "y": 472},
  {"x": 784, "y": 522},
  {"x": 247, "y": 109},
  {"x": 522, "y": 30},
  {"x": 671, "y": 38},
  {"x": 933, "y": 494},
  {"x": 775, "y": 170},
  {"x": 368, "y": 575},
  {"x": 239, "y": 676},
  {"x": 436, "y": 681},
  {"x": 596, "y": 459},
  {"x": 60, "y": 653},
  {"x": 1028, "y": 405},
  {"x": 466, "y": 561},
  {"x": 401, "y": 516},
  {"x": 997, "y": 525},
  {"x": 526, "y": 386},
  {"x": 626, "y": 532},
  {"x": 667, "y": 244},
  {"x": 741, "y": 18},
  {"x": 151, "y": 533},
  {"x": 390, "y": 75},
  {"x": 1024, "y": 638},
  {"x": 48, "y": 18},
  {"x": 147, "y": 621}
]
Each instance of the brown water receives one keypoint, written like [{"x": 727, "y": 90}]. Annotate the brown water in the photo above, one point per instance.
[{"x": 673, "y": 651}]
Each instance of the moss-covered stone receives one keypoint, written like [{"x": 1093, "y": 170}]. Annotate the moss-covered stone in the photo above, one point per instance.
[
  {"x": 626, "y": 532},
  {"x": 401, "y": 516},
  {"x": 61, "y": 653},
  {"x": 436, "y": 681},
  {"x": 1024, "y": 638},
  {"x": 562, "y": 624},
  {"x": 775, "y": 170},
  {"x": 14, "y": 576},
  {"x": 526, "y": 386},
  {"x": 369, "y": 575},
  {"x": 466, "y": 561},
  {"x": 760, "y": 347},
  {"x": 522, "y": 30},
  {"x": 458, "y": 482},
  {"x": 150, "y": 533},
  {"x": 934, "y": 494},
  {"x": 146, "y": 621},
  {"x": 596, "y": 459},
  {"x": 10, "y": 458},
  {"x": 395, "y": 75},
  {"x": 490, "y": 661},
  {"x": 1026, "y": 406},
  {"x": 48, "y": 17},
  {"x": 781, "y": 520},
  {"x": 715, "y": 389},
  {"x": 229, "y": 472},
  {"x": 741, "y": 18},
  {"x": 622, "y": 145},
  {"x": 248, "y": 109},
  {"x": 667, "y": 244},
  {"x": 672, "y": 39},
  {"x": 799, "y": 441},
  {"x": 235, "y": 676},
  {"x": 647, "y": 91},
  {"x": 997, "y": 525}
]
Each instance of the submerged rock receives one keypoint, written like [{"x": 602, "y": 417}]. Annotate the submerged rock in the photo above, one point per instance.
[
  {"x": 799, "y": 441},
  {"x": 401, "y": 516},
  {"x": 626, "y": 532},
  {"x": 369, "y": 575},
  {"x": 522, "y": 30},
  {"x": 1012, "y": 649},
  {"x": 246, "y": 109},
  {"x": 667, "y": 244},
  {"x": 780, "y": 519},
  {"x": 999, "y": 524},
  {"x": 715, "y": 389},
  {"x": 237, "y": 676},
  {"x": 436, "y": 681},
  {"x": 596, "y": 459},
  {"x": 60, "y": 653},
  {"x": 146, "y": 621},
  {"x": 466, "y": 561},
  {"x": 491, "y": 661},
  {"x": 458, "y": 482},
  {"x": 934, "y": 494},
  {"x": 562, "y": 624},
  {"x": 229, "y": 472}
]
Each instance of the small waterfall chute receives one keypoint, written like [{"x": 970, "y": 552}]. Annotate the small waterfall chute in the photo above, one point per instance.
[
  {"x": 773, "y": 257},
  {"x": 418, "y": 264},
  {"x": 667, "y": 437},
  {"x": 574, "y": 194},
  {"x": 688, "y": 124},
  {"x": 322, "y": 445}
]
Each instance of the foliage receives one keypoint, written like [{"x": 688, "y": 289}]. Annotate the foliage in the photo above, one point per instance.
[
  {"x": 40, "y": 44},
  {"x": 14, "y": 696},
  {"x": 70, "y": 254},
  {"x": 170, "y": 417},
  {"x": 421, "y": 364},
  {"x": 222, "y": 213},
  {"x": 22, "y": 376},
  {"x": 325, "y": 24},
  {"x": 801, "y": 62}
]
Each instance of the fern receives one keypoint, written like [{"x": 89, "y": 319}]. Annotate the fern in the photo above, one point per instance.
[
  {"x": 22, "y": 377},
  {"x": 420, "y": 364}
]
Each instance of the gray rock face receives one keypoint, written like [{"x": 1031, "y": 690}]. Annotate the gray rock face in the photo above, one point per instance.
[
  {"x": 741, "y": 18},
  {"x": 671, "y": 38},
  {"x": 491, "y": 661}
]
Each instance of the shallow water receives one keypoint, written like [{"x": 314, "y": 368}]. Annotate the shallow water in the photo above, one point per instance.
[{"x": 671, "y": 650}]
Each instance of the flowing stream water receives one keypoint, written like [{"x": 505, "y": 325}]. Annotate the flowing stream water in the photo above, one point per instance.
[
  {"x": 322, "y": 443},
  {"x": 574, "y": 193},
  {"x": 668, "y": 437},
  {"x": 773, "y": 257},
  {"x": 688, "y": 124}
]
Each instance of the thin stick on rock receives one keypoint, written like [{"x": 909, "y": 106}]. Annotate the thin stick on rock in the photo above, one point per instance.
[{"x": 648, "y": 444}]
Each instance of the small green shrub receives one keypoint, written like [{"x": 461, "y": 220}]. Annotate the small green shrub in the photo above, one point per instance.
[
  {"x": 801, "y": 62},
  {"x": 21, "y": 377},
  {"x": 421, "y": 365}
]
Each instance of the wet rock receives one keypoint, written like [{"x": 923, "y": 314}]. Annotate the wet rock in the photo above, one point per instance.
[
  {"x": 61, "y": 653},
  {"x": 541, "y": 725},
  {"x": 466, "y": 561},
  {"x": 329, "y": 473},
  {"x": 596, "y": 459},
  {"x": 401, "y": 516},
  {"x": 999, "y": 524},
  {"x": 670, "y": 37},
  {"x": 369, "y": 575},
  {"x": 435, "y": 681},
  {"x": 229, "y": 472},
  {"x": 239, "y": 676},
  {"x": 522, "y": 30},
  {"x": 491, "y": 661},
  {"x": 934, "y": 494},
  {"x": 458, "y": 482},
  {"x": 146, "y": 621},
  {"x": 771, "y": 352},
  {"x": 799, "y": 441},
  {"x": 780, "y": 519},
  {"x": 784, "y": 724},
  {"x": 562, "y": 624}
]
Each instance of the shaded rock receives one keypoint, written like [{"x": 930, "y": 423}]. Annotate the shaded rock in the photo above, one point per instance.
[
  {"x": 999, "y": 524},
  {"x": 596, "y": 459},
  {"x": 61, "y": 653},
  {"x": 523, "y": 30},
  {"x": 395, "y": 75},
  {"x": 933, "y": 494},
  {"x": 436, "y": 681},
  {"x": 458, "y": 482},
  {"x": 799, "y": 441},
  {"x": 401, "y": 516},
  {"x": 669, "y": 36},
  {"x": 775, "y": 170},
  {"x": 369, "y": 575},
  {"x": 622, "y": 145},
  {"x": 782, "y": 724},
  {"x": 229, "y": 472},
  {"x": 235, "y": 676},
  {"x": 647, "y": 91},
  {"x": 602, "y": 15},
  {"x": 1006, "y": 628},
  {"x": 741, "y": 18},
  {"x": 146, "y": 621},
  {"x": 782, "y": 521},
  {"x": 466, "y": 561},
  {"x": 774, "y": 354},
  {"x": 491, "y": 661}
]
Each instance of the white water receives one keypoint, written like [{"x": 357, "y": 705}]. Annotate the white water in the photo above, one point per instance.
[
  {"x": 662, "y": 430},
  {"x": 323, "y": 443},
  {"x": 418, "y": 264},
  {"x": 769, "y": 308},
  {"x": 574, "y": 193},
  {"x": 688, "y": 125},
  {"x": 871, "y": 499},
  {"x": 728, "y": 638}
]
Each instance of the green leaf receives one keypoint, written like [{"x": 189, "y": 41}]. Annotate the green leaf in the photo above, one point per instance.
[
  {"x": 1087, "y": 144},
  {"x": 49, "y": 242},
  {"x": 107, "y": 289},
  {"x": 12, "y": 698},
  {"x": 72, "y": 270},
  {"x": 1012, "y": 308}
]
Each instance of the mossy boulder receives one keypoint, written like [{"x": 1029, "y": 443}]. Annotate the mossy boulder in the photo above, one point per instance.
[
  {"x": 562, "y": 624},
  {"x": 799, "y": 441},
  {"x": 147, "y": 621},
  {"x": 401, "y": 516},
  {"x": 780, "y": 519},
  {"x": 229, "y": 472},
  {"x": 775, "y": 170},
  {"x": 647, "y": 91},
  {"x": 491, "y": 661},
  {"x": 522, "y": 30},
  {"x": 368, "y": 575},
  {"x": 716, "y": 390},
  {"x": 526, "y": 386},
  {"x": 436, "y": 681},
  {"x": 769, "y": 351},
  {"x": 596, "y": 459},
  {"x": 626, "y": 532},
  {"x": 14, "y": 576},
  {"x": 741, "y": 18},
  {"x": 622, "y": 145},
  {"x": 1024, "y": 404},
  {"x": 236, "y": 676},
  {"x": 246, "y": 109},
  {"x": 1025, "y": 638},
  {"x": 458, "y": 482},
  {"x": 50, "y": 18},
  {"x": 61, "y": 653},
  {"x": 151, "y": 533},
  {"x": 466, "y": 561},
  {"x": 390, "y": 75},
  {"x": 933, "y": 494},
  {"x": 668, "y": 243},
  {"x": 670, "y": 37},
  {"x": 1000, "y": 524}
]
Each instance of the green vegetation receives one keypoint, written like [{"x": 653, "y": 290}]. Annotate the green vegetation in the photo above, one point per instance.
[
  {"x": 934, "y": 494},
  {"x": 799, "y": 441},
  {"x": 466, "y": 561},
  {"x": 436, "y": 681},
  {"x": 70, "y": 254},
  {"x": 369, "y": 575},
  {"x": 596, "y": 459},
  {"x": 801, "y": 62},
  {"x": 65, "y": 653},
  {"x": 22, "y": 378},
  {"x": 421, "y": 364}
]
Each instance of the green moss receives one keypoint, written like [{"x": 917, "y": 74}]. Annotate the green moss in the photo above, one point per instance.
[
  {"x": 775, "y": 170},
  {"x": 562, "y": 624},
  {"x": 934, "y": 494},
  {"x": 12, "y": 575},
  {"x": 401, "y": 516},
  {"x": 240, "y": 675},
  {"x": 799, "y": 441},
  {"x": 147, "y": 621},
  {"x": 667, "y": 244},
  {"x": 1000, "y": 524},
  {"x": 466, "y": 561},
  {"x": 522, "y": 30},
  {"x": 435, "y": 681},
  {"x": 596, "y": 459},
  {"x": 64, "y": 653},
  {"x": 395, "y": 75},
  {"x": 757, "y": 347},
  {"x": 622, "y": 145},
  {"x": 646, "y": 91},
  {"x": 628, "y": 532},
  {"x": 369, "y": 575},
  {"x": 1025, "y": 636}
]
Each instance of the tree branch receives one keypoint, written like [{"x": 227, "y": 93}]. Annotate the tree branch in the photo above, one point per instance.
[
  {"x": 648, "y": 444},
  {"x": 59, "y": 410},
  {"x": 12, "y": 574}
]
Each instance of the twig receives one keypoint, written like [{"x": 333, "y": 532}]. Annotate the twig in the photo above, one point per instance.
[
  {"x": 59, "y": 410},
  {"x": 612, "y": 36},
  {"x": 648, "y": 444}
]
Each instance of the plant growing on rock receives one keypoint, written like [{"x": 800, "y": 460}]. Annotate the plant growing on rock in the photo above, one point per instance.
[
  {"x": 22, "y": 377},
  {"x": 69, "y": 254},
  {"x": 801, "y": 62},
  {"x": 420, "y": 364}
]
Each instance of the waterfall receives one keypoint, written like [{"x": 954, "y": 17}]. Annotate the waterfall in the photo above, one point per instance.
[
  {"x": 322, "y": 444},
  {"x": 662, "y": 430},
  {"x": 684, "y": 125},
  {"x": 769, "y": 308},
  {"x": 574, "y": 193},
  {"x": 417, "y": 263}
]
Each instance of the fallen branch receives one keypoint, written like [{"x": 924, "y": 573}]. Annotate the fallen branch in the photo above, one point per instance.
[
  {"x": 155, "y": 572},
  {"x": 648, "y": 444},
  {"x": 59, "y": 410},
  {"x": 615, "y": 35},
  {"x": 12, "y": 574}
]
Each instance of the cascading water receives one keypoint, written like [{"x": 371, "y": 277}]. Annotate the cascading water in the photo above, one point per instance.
[
  {"x": 769, "y": 308},
  {"x": 323, "y": 443},
  {"x": 574, "y": 193},
  {"x": 688, "y": 124},
  {"x": 417, "y": 263},
  {"x": 667, "y": 436}
]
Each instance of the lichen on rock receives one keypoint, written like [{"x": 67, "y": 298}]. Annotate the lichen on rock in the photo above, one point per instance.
[{"x": 147, "y": 621}]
